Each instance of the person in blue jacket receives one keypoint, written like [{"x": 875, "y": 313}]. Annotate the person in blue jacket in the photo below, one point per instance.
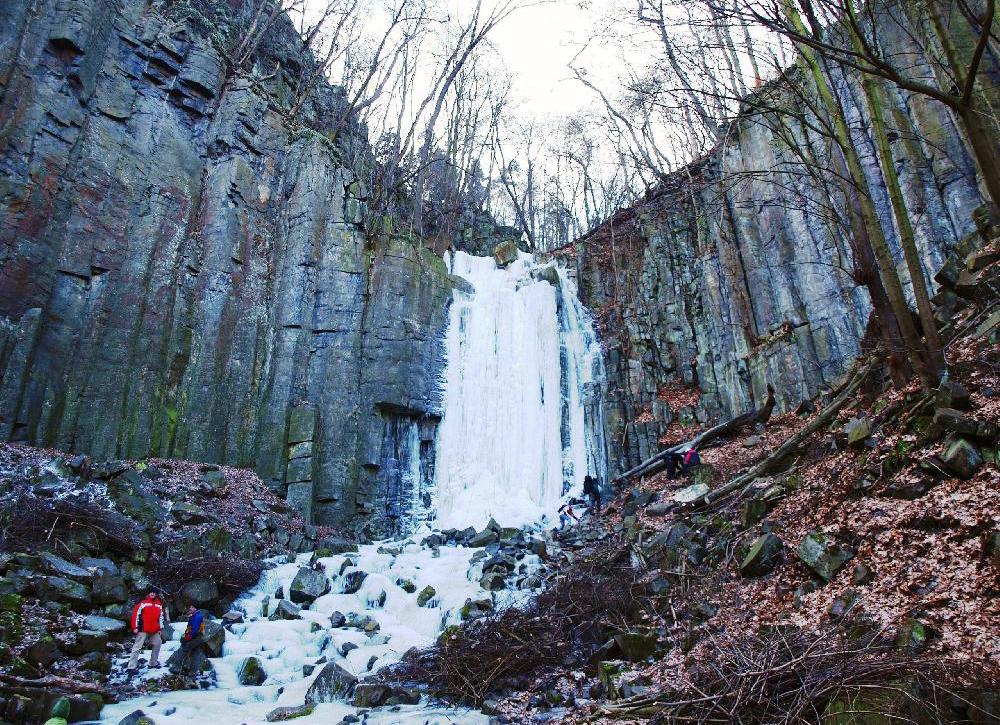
[{"x": 191, "y": 642}]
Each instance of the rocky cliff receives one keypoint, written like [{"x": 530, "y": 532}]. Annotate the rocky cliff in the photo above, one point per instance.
[
  {"x": 183, "y": 270},
  {"x": 731, "y": 276}
]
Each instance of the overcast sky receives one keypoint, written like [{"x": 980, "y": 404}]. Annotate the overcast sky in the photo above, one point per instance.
[{"x": 537, "y": 43}]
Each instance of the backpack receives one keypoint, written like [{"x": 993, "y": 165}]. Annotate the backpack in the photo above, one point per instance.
[{"x": 691, "y": 458}]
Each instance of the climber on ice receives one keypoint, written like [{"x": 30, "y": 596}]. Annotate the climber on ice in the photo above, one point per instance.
[
  {"x": 592, "y": 490},
  {"x": 566, "y": 513},
  {"x": 147, "y": 622}
]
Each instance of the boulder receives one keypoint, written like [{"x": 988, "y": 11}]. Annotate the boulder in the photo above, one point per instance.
[
  {"x": 823, "y": 554},
  {"x": 353, "y": 581},
  {"x": 43, "y": 651},
  {"x": 346, "y": 648},
  {"x": 953, "y": 394},
  {"x": 963, "y": 459},
  {"x": 371, "y": 694},
  {"x": 60, "y": 567},
  {"x": 109, "y": 589},
  {"x": 492, "y": 582},
  {"x": 505, "y": 253},
  {"x": 764, "y": 555},
  {"x": 862, "y": 574},
  {"x": 200, "y": 592},
  {"x": 308, "y": 585},
  {"x": 232, "y": 617},
  {"x": 137, "y": 717},
  {"x": 336, "y": 545},
  {"x": 701, "y": 475},
  {"x": 280, "y": 714},
  {"x": 100, "y": 566},
  {"x": 841, "y": 606},
  {"x": 331, "y": 684},
  {"x": 475, "y": 609},
  {"x": 214, "y": 480},
  {"x": 636, "y": 646},
  {"x": 285, "y": 610},
  {"x": 189, "y": 514},
  {"x": 214, "y": 637},
  {"x": 251, "y": 673},
  {"x": 362, "y": 622},
  {"x": 108, "y": 625},
  {"x": 911, "y": 635},
  {"x": 691, "y": 493},
  {"x": 426, "y": 594},
  {"x": 337, "y": 620},
  {"x": 857, "y": 430},
  {"x": 957, "y": 421},
  {"x": 483, "y": 538},
  {"x": 406, "y": 585},
  {"x": 59, "y": 589},
  {"x": 99, "y": 662},
  {"x": 88, "y": 640}
]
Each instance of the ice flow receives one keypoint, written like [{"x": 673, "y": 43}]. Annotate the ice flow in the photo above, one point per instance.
[{"x": 521, "y": 424}]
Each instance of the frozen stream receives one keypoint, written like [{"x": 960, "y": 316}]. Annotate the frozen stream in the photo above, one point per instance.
[
  {"x": 521, "y": 429},
  {"x": 284, "y": 646}
]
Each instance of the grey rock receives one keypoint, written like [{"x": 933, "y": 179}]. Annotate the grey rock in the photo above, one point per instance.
[
  {"x": 823, "y": 554},
  {"x": 109, "y": 589},
  {"x": 425, "y": 596},
  {"x": 857, "y": 431},
  {"x": 214, "y": 637},
  {"x": 333, "y": 683},
  {"x": 200, "y": 592},
  {"x": 764, "y": 555},
  {"x": 285, "y": 610},
  {"x": 290, "y": 712},
  {"x": 107, "y": 625},
  {"x": 251, "y": 672},
  {"x": 353, "y": 580},
  {"x": 963, "y": 458},
  {"x": 483, "y": 538},
  {"x": 308, "y": 585}
]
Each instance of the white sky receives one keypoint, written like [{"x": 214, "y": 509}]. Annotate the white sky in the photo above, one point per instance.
[{"x": 537, "y": 44}]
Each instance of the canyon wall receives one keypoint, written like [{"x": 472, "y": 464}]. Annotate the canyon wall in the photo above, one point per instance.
[
  {"x": 730, "y": 276},
  {"x": 182, "y": 268}
]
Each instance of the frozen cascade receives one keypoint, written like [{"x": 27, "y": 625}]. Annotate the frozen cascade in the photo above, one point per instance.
[
  {"x": 285, "y": 646},
  {"x": 521, "y": 424}
]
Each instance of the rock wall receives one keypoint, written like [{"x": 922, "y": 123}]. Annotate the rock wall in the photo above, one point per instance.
[
  {"x": 730, "y": 275},
  {"x": 182, "y": 269}
]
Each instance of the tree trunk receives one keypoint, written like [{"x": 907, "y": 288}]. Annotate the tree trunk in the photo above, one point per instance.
[
  {"x": 935, "y": 356},
  {"x": 984, "y": 148}
]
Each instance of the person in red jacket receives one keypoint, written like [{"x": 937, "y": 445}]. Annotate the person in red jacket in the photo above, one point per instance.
[{"x": 147, "y": 621}]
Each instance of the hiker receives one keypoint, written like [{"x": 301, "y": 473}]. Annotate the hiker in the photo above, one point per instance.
[
  {"x": 566, "y": 514},
  {"x": 592, "y": 490},
  {"x": 191, "y": 642},
  {"x": 147, "y": 621},
  {"x": 682, "y": 462}
]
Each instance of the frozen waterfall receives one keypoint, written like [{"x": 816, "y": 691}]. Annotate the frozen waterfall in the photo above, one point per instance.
[{"x": 521, "y": 424}]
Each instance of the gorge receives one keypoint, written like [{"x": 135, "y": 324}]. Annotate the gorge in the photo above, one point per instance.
[{"x": 205, "y": 297}]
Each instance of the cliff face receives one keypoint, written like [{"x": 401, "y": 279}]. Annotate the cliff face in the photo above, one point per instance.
[
  {"x": 731, "y": 276},
  {"x": 183, "y": 273}
]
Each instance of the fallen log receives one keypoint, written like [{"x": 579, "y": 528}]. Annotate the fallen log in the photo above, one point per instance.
[
  {"x": 657, "y": 463},
  {"x": 793, "y": 442},
  {"x": 54, "y": 681}
]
